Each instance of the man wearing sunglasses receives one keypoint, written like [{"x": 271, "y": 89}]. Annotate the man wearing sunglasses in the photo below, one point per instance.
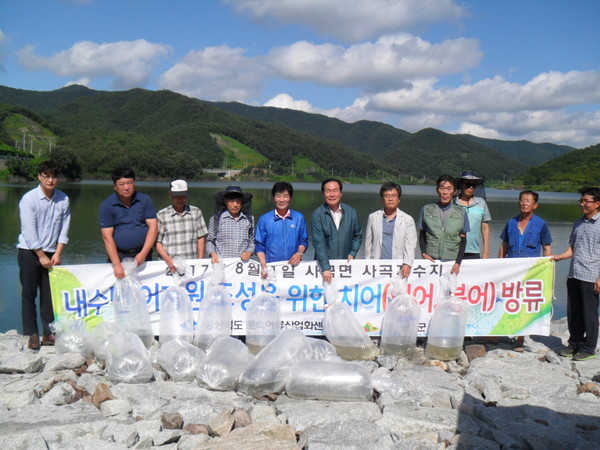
[{"x": 479, "y": 216}]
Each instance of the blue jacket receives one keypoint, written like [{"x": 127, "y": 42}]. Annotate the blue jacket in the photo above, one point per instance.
[
  {"x": 530, "y": 243},
  {"x": 331, "y": 243},
  {"x": 280, "y": 238}
]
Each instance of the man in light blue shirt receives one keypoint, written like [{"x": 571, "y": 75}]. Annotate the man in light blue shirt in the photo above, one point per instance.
[{"x": 45, "y": 218}]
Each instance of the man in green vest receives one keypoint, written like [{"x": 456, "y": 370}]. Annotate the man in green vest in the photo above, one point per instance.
[{"x": 443, "y": 226}]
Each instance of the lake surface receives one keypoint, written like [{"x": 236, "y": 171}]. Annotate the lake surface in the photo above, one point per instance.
[{"x": 560, "y": 210}]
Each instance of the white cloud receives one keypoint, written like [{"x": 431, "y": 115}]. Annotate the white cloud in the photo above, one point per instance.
[
  {"x": 85, "y": 81},
  {"x": 352, "y": 20},
  {"x": 388, "y": 62},
  {"x": 129, "y": 63},
  {"x": 549, "y": 90},
  {"x": 216, "y": 73},
  {"x": 286, "y": 101},
  {"x": 350, "y": 114}
]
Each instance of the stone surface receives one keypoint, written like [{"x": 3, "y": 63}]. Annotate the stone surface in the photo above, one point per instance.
[{"x": 501, "y": 399}]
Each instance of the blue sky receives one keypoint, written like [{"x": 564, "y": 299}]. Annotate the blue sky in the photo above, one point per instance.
[{"x": 511, "y": 69}]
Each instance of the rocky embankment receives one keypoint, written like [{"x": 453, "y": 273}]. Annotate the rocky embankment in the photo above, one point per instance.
[{"x": 492, "y": 397}]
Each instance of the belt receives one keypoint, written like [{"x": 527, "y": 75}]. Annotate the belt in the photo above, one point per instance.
[{"x": 130, "y": 251}]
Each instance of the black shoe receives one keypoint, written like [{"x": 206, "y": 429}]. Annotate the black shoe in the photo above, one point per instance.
[{"x": 583, "y": 356}]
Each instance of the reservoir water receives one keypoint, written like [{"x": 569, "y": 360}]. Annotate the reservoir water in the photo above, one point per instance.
[{"x": 560, "y": 210}]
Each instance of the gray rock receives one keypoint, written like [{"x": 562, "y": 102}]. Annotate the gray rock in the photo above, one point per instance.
[
  {"x": 406, "y": 421},
  {"x": 303, "y": 414},
  {"x": 21, "y": 363},
  {"x": 255, "y": 436},
  {"x": 351, "y": 434},
  {"x": 60, "y": 394},
  {"x": 11, "y": 342},
  {"x": 191, "y": 442},
  {"x": 263, "y": 413},
  {"x": 89, "y": 381},
  {"x": 64, "y": 361},
  {"x": 222, "y": 423},
  {"x": 166, "y": 437},
  {"x": 113, "y": 407}
]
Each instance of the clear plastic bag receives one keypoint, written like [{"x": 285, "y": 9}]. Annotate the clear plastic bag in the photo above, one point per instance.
[
  {"x": 214, "y": 312},
  {"x": 131, "y": 310},
  {"x": 446, "y": 331},
  {"x": 263, "y": 317},
  {"x": 323, "y": 350},
  {"x": 226, "y": 359},
  {"x": 400, "y": 322},
  {"x": 268, "y": 371},
  {"x": 176, "y": 315},
  {"x": 387, "y": 383},
  {"x": 71, "y": 336},
  {"x": 127, "y": 359},
  {"x": 99, "y": 337},
  {"x": 342, "y": 329},
  {"x": 330, "y": 380},
  {"x": 180, "y": 359}
]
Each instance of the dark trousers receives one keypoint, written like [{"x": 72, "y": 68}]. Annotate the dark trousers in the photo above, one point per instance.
[
  {"x": 582, "y": 315},
  {"x": 33, "y": 278},
  {"x": 472, "y": 256}
]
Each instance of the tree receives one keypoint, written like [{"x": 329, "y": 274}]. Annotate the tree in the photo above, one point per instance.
[{"x": 69, "y": 164}]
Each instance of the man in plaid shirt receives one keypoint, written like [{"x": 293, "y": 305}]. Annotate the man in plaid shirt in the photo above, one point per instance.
[
  {"x": 181, "y": 228},
  {"x": 231, "y": 232}
]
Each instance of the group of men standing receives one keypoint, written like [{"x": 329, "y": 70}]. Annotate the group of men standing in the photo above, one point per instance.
[{"x": 452, "y": 229}]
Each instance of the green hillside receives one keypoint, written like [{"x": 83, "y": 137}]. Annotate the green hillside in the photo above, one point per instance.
[
  {"x": 163, "y": 134},
  {"x": 568, "y": 173},
  {"x": 364, "y": 136},
  {"x": 528, "y": 153},
  {"x": 378, "y": 139}
]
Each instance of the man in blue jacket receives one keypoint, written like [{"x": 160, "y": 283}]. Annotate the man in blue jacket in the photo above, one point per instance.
[
  {"x": 281, "y": 234},
  {"x": 336, "y": 230}
]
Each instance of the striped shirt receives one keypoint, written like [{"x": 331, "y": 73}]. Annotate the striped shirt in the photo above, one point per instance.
[
  {"x": 231, "y": 237},
  {"x": 585, "y": 242},
  {"x": 179, "y": 233}
]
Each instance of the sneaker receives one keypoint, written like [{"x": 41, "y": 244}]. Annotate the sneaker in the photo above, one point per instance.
[
  {"x": 567, "y": 352},
  {"x": 34, "y": 342},
  {"x": 583, "y": 356}
]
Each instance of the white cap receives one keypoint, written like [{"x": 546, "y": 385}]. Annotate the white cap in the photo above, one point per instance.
[{"x": 179, "y": 188}]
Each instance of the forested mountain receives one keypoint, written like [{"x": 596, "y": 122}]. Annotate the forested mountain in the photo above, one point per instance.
[
  {"x": 164, "y": 134},
  {"x": 566, "y": 173},
  {"x": 378, "y": 138},
  {"x": 528, "y": 153},
  {"x": 365, "y": 136}
]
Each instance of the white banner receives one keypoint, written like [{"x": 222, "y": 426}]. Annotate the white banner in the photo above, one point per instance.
[{"x": 506, "y": 296}]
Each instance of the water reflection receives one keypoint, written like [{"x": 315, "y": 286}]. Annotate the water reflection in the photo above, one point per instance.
[{"x": 560, "y": 210}]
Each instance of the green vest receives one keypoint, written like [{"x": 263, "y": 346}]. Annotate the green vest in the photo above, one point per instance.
[{"x": 442, "y": 242}]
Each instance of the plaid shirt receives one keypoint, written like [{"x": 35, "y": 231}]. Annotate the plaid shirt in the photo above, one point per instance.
[
  {"x": 179, "y": 233},
  {"x": 585, "y": 241},
  {"x": 232, "y": 237}
]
